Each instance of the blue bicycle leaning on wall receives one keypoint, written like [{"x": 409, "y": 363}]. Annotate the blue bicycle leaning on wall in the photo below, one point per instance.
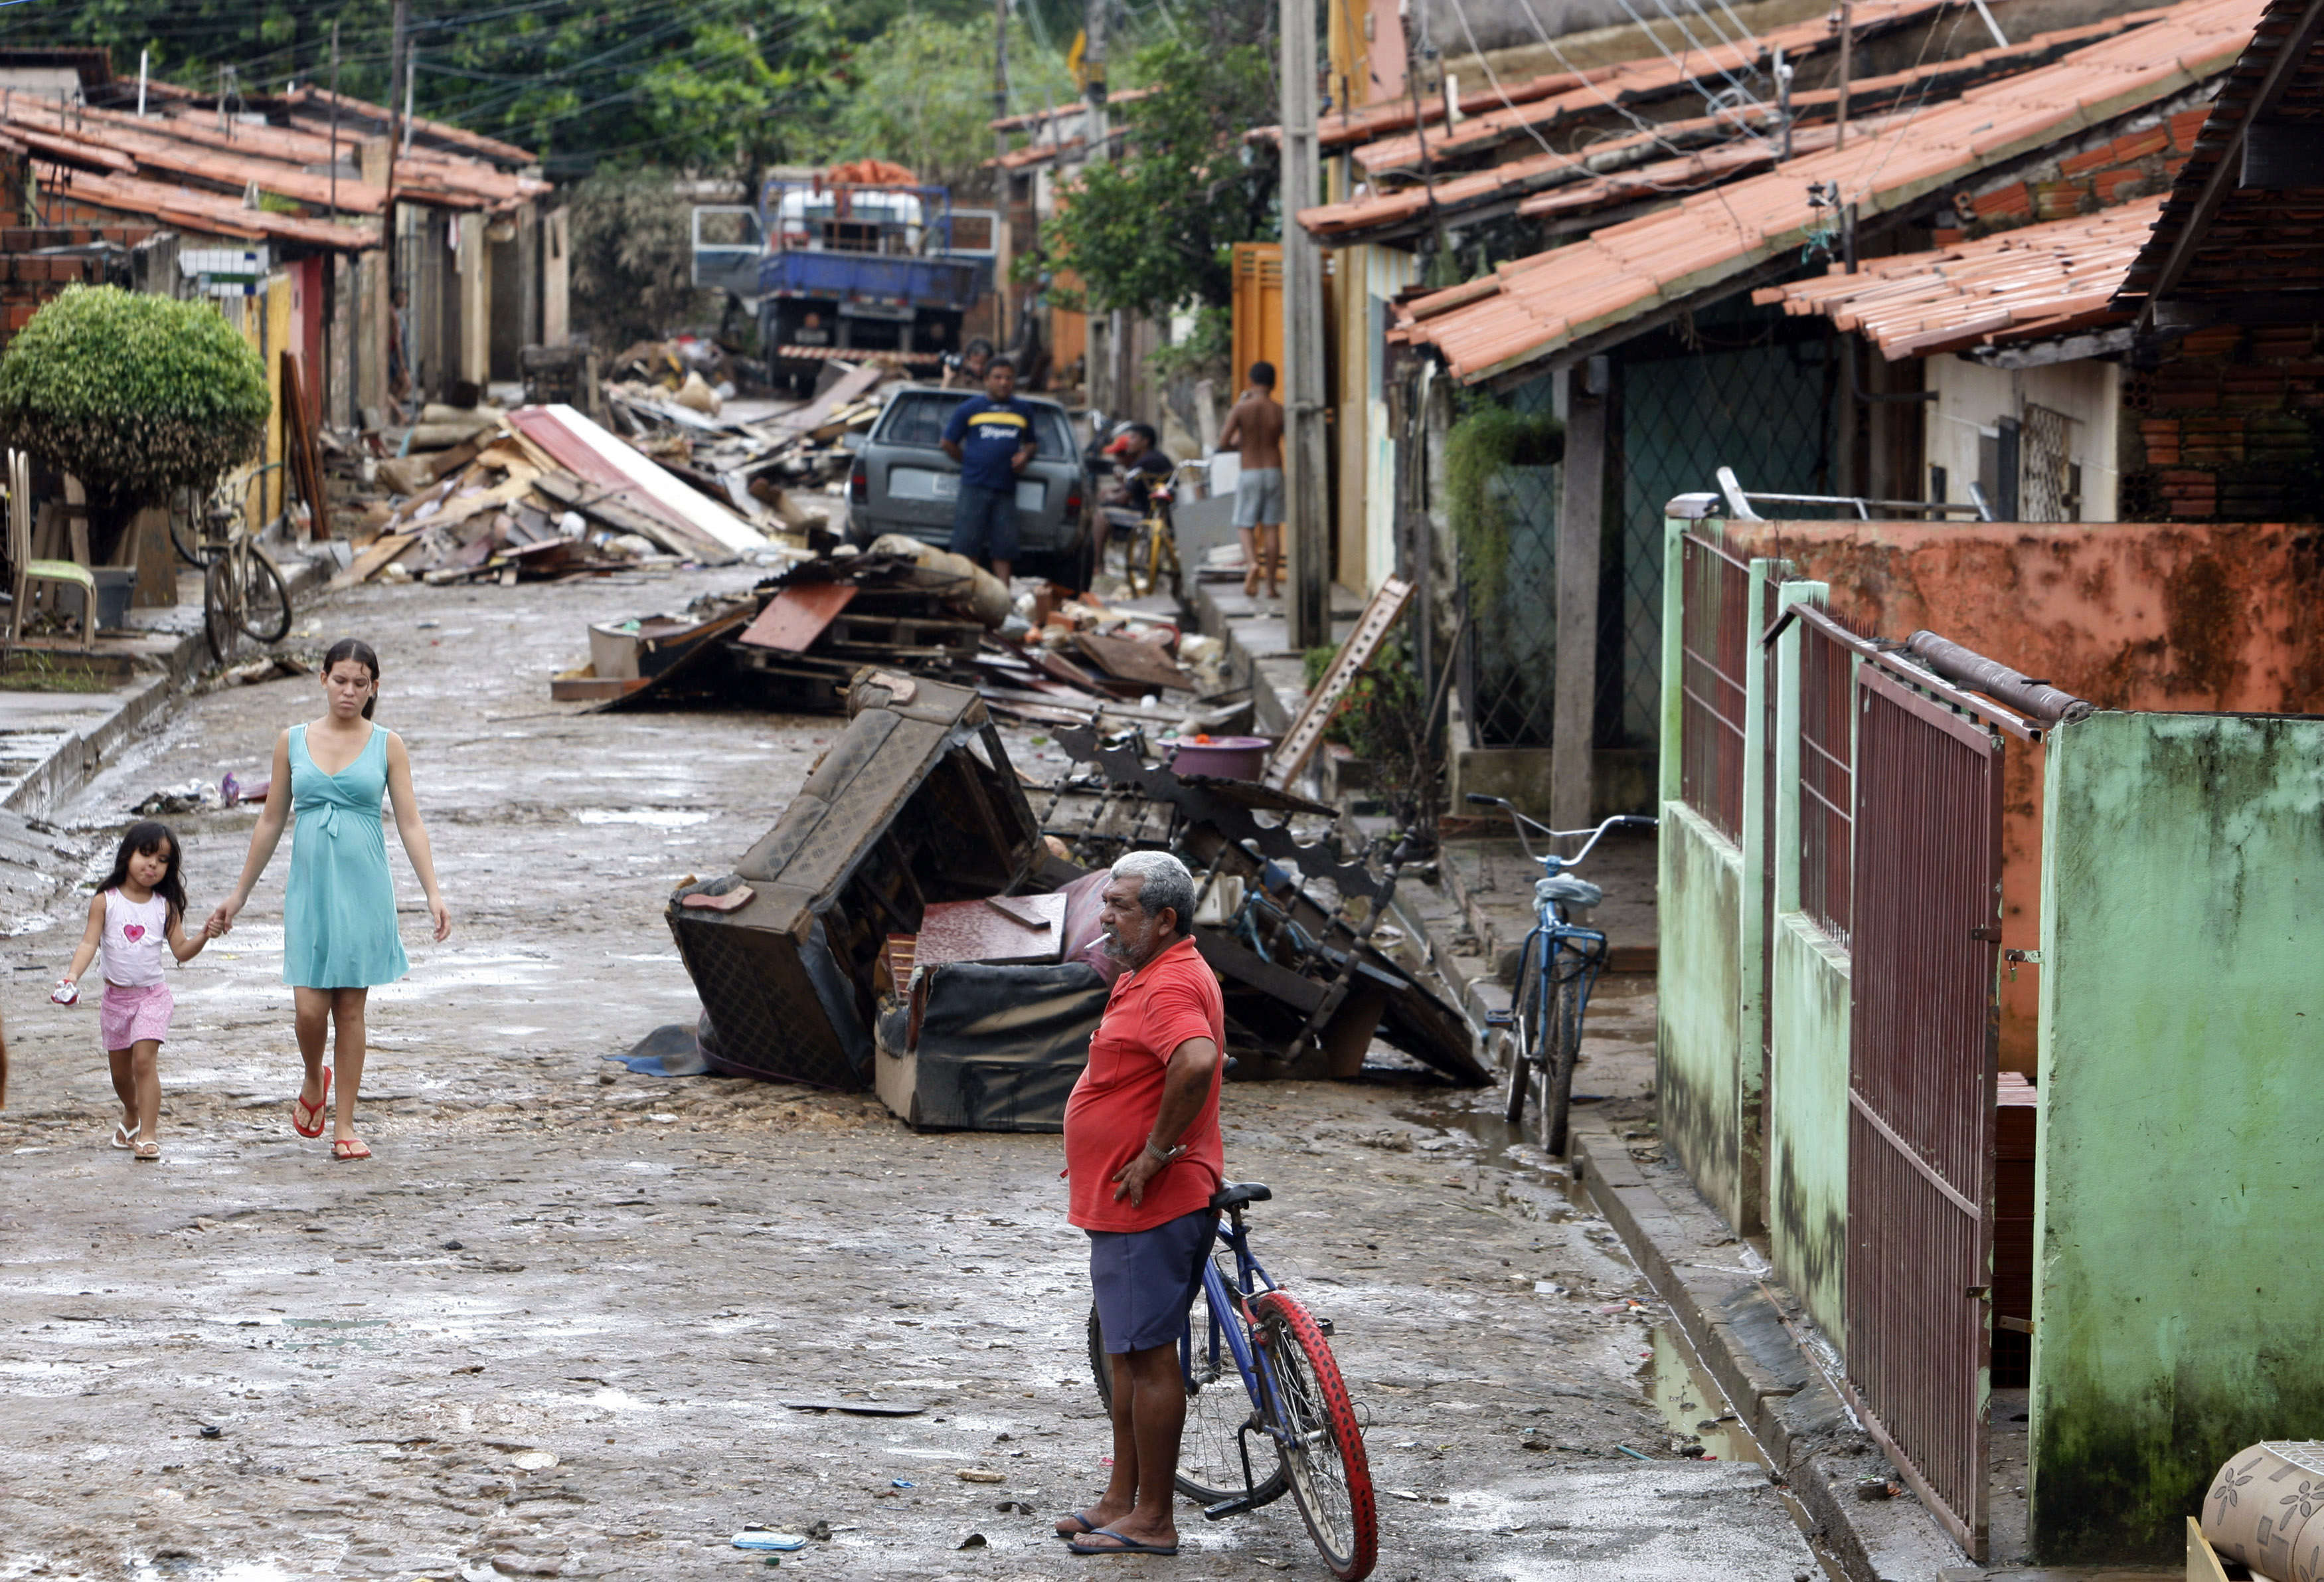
[{"x": 1539, "y": 1036}]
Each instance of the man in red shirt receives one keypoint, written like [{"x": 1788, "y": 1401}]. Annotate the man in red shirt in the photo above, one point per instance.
[{"x": 1143, "y": 1157}]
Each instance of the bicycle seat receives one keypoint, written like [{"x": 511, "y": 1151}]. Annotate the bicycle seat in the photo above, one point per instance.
[
  {"x": 1567, "y": 890},
  {"x": 1235, "y": 1194}
]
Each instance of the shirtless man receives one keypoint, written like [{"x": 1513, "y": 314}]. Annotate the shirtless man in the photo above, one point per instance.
[{"x": 1255, "y": 428}]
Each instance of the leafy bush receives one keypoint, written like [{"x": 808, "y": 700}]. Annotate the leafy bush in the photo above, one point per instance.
[
  {"x": 1487, "y": 439},
  {"x": 634, "y": 259},
  {"x": 134, "y": 396}
]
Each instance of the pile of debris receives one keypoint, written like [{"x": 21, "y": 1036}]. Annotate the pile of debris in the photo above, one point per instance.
[
  {"x": 908, "y": 926},
  {"x": 538, "y": 493}
]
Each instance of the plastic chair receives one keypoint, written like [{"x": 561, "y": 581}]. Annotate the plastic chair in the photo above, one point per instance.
[{"x": 25, "y": 570}]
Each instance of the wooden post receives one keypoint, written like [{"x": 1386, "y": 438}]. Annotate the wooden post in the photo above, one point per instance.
[{"x": 1581, "y": 528}]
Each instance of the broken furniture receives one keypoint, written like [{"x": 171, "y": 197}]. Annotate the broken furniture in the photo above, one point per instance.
[{"x": 915, "y": 803}]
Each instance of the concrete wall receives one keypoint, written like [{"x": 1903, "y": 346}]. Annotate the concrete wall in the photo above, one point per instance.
[
  {"x": 2149, "y": 615},
  {"x": 1807, "y": 1120},
  {"x": 2177, "y": 1232},
  {"x": 1699, "y": 1001}
]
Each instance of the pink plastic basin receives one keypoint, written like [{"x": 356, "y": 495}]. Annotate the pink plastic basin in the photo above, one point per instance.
[{"x": 1223, "y": 757}]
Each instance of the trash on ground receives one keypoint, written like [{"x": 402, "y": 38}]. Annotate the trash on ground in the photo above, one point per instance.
[
  {"x": 768, "y": 1538},
  {"x": 858, "y": 1405},
  {"x": 981, "y": 1475}
]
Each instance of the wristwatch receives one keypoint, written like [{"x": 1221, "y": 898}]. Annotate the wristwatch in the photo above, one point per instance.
[{"x": 1166, "y": 1156}]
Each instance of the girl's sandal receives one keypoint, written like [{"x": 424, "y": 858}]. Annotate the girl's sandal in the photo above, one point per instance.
[
  {"x": 300, "y": 1106},
  {"x": 347, "y": 1148},
  {"x": 123, "y": 1137},
  {"x": 147, "y": 1152}
]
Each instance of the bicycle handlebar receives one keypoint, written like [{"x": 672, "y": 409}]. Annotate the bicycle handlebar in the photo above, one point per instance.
[{"x": 1595, "y": 834}]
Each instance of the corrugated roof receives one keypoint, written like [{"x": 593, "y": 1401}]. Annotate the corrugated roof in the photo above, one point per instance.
[
  {"x": 1533, "y": 306},
  {"x": 2023, "y": 284},
  {"x": 2217, "y": 239},
  {"x": 1497, "y": 188}
]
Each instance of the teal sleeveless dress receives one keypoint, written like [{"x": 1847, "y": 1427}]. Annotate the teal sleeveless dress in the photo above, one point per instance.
[{"x": 338, "y": 910}]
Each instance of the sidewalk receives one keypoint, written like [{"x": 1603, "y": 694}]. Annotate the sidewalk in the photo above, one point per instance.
[{"x": 52, "y": 743}]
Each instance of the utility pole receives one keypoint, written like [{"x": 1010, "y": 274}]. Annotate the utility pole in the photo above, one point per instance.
[
  {"x": 399, "y": 67},
  {"x": 1847, "y": 63},
  {"x": 1094, "y": 151},
  {"x": 335, "y": 122},
  {"x": 1001, "y": 172},
  {"x": 1304, "y": 396}
]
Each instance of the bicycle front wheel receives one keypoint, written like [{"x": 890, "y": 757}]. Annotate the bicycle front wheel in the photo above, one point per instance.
[
  {"x": 1324, "y": 1449},
  {"x": 1515, "y": 1043},
  {"x": 1560, "y": 1055},
  {"x": 266, "y": 597}
]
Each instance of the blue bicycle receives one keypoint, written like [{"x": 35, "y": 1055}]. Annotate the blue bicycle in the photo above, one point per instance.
[
  {"x": 1539, "y": 1036},
  {"x": 1258, "y": 1365}
]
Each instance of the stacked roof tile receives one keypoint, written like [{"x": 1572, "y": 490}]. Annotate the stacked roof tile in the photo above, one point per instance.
[
  {"x": 2024, "y": 284},
  {"x": 1535, "y": 307}
]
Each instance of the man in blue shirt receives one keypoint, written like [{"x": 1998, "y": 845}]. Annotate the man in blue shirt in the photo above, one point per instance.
[{"x": 992, "y": 437}]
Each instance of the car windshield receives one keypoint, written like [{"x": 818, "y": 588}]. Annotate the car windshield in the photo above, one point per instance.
[{"x": 918, "y": 417}]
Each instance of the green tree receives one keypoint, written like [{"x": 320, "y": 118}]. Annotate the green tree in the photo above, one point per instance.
[
  {"x": 1151, "y": 230},
  {"x": 133, "y": 395},
  {"x": 922, "y": 96},
  {"x": 633, "y": 277}
]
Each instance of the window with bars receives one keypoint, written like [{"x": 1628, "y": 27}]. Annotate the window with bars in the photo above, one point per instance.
[{"x": 1715, "y": 646}]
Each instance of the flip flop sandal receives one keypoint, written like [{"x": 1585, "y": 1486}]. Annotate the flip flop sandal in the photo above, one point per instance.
[
  {"x": 347, "y": 1148},
  {"x": 1121, "y": 1545},
  {"x": 1080, "y": 1517},
  {"x": 121, "y": 1137},
  {"x": 298, "y": 1105},
  {"x": 147, "y": 1153}
]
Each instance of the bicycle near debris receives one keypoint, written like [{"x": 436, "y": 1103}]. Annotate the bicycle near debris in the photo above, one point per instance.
[
  {"x": 242, "y": 589},
  {"x": 1258, "y": 1367},
  {"x": 1539, "y": 1036}
]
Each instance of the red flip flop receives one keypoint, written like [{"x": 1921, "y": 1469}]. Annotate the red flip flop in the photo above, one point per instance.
[
  {"x": 300, "y": 1105},
  {"x": 347, "y": 1148}
]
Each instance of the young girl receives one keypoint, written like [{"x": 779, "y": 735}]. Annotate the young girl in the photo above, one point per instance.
[{"x": 141, "y": 904}]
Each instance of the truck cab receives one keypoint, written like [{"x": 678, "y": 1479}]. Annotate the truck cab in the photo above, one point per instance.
[{"x": 829, "y": 268}]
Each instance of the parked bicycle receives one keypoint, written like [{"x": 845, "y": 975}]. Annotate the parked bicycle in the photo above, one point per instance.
[
  {"x": 1149, "y": 541},
  {"x": 1258, "y": 1365},
  {"x": 242, "y": 589},
  {"x": 1538, "y": 1038}
]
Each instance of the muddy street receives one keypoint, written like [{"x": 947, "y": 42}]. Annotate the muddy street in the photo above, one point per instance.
[{"x": 551, "y": 1327}]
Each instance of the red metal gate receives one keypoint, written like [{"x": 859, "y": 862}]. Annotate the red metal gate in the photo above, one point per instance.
[{"x": 1924, "y": 927}]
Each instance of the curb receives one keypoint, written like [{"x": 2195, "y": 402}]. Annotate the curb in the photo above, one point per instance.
[
  {"x": 78, "y": 756},
  {"x": 1747, "y": 1333}
]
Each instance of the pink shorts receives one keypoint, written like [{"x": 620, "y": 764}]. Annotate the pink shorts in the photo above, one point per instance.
[{"x": 125, "y": 1015}]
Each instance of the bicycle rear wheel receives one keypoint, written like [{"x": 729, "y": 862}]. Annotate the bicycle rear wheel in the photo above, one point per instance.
[
  {"x": 1136, "y": 551},
  {"x": 266, "y": 597},
  {"x": 1330, "y": 1477},
  {"x": 221, "y": 621}
]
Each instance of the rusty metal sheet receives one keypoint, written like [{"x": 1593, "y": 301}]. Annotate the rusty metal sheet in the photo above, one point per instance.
[
  {"x": 799, "y": 614},
  {"x": 1025, "y": 928}
]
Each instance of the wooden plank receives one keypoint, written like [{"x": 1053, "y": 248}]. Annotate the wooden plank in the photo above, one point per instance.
[
  {"x": 591, "y": 689},
  {"x": 1572, "y": 732},
  {"x": 799, "y": 614},
  {"x": 1126, "y": 658},
  {"x": 853, "y": 384},
  {"x": 374, "y": 558},
  {"x": 1307, "y": 733},
  {"x": 2202, "y": 1561}
]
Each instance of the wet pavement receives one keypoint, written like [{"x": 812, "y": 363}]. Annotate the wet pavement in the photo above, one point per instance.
[{"x": 549, "y": 1329}]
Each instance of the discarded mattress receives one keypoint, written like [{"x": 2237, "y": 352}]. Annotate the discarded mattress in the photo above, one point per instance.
[
  {"x": 976, "y": 1047},
  {"x": 915, "y": 803}
]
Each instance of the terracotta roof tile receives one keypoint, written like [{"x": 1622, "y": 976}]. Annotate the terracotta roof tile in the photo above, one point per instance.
[
  {"x": 1715, "y": 236},
  {"x": 209, "y": 214}
]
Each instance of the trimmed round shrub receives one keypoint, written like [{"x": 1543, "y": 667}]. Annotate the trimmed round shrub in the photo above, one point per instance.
[{"x": 133, "y": 395}]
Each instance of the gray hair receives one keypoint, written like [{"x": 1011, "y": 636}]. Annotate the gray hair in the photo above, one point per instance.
[{"x": 1162, "y": 880}]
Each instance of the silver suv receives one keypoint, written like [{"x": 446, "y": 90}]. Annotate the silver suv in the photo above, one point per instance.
[{"x": 903, "y": 482}]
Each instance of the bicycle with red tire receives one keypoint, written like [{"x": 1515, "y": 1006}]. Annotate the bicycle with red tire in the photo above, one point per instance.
[{"x": 1258, "y": 1366}]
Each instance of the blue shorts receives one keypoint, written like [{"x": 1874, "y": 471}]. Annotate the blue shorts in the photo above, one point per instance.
[
  {"x": 1144, "y": 1280},
  {"x": 985, "y": 522}
]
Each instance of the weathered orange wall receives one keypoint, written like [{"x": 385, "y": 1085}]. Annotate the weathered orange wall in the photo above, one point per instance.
[{"x": 2144, "y": 616}]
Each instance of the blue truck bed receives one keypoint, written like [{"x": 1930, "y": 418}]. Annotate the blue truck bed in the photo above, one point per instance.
[{"x": 928, "y": 283}]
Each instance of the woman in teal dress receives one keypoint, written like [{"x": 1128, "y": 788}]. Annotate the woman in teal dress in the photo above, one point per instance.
[{"x": 338, "y": 908}]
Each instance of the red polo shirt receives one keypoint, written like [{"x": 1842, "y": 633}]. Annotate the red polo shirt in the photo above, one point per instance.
[{"x": 1171, "y": 999}]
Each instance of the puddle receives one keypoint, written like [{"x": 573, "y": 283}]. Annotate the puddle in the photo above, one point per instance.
[
  {"x": 1690, "y": 1403},
  {"x": 659, "y": 818}
]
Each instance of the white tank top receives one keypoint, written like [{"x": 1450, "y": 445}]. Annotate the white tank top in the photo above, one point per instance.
[{"x": 133, "y": 937}]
